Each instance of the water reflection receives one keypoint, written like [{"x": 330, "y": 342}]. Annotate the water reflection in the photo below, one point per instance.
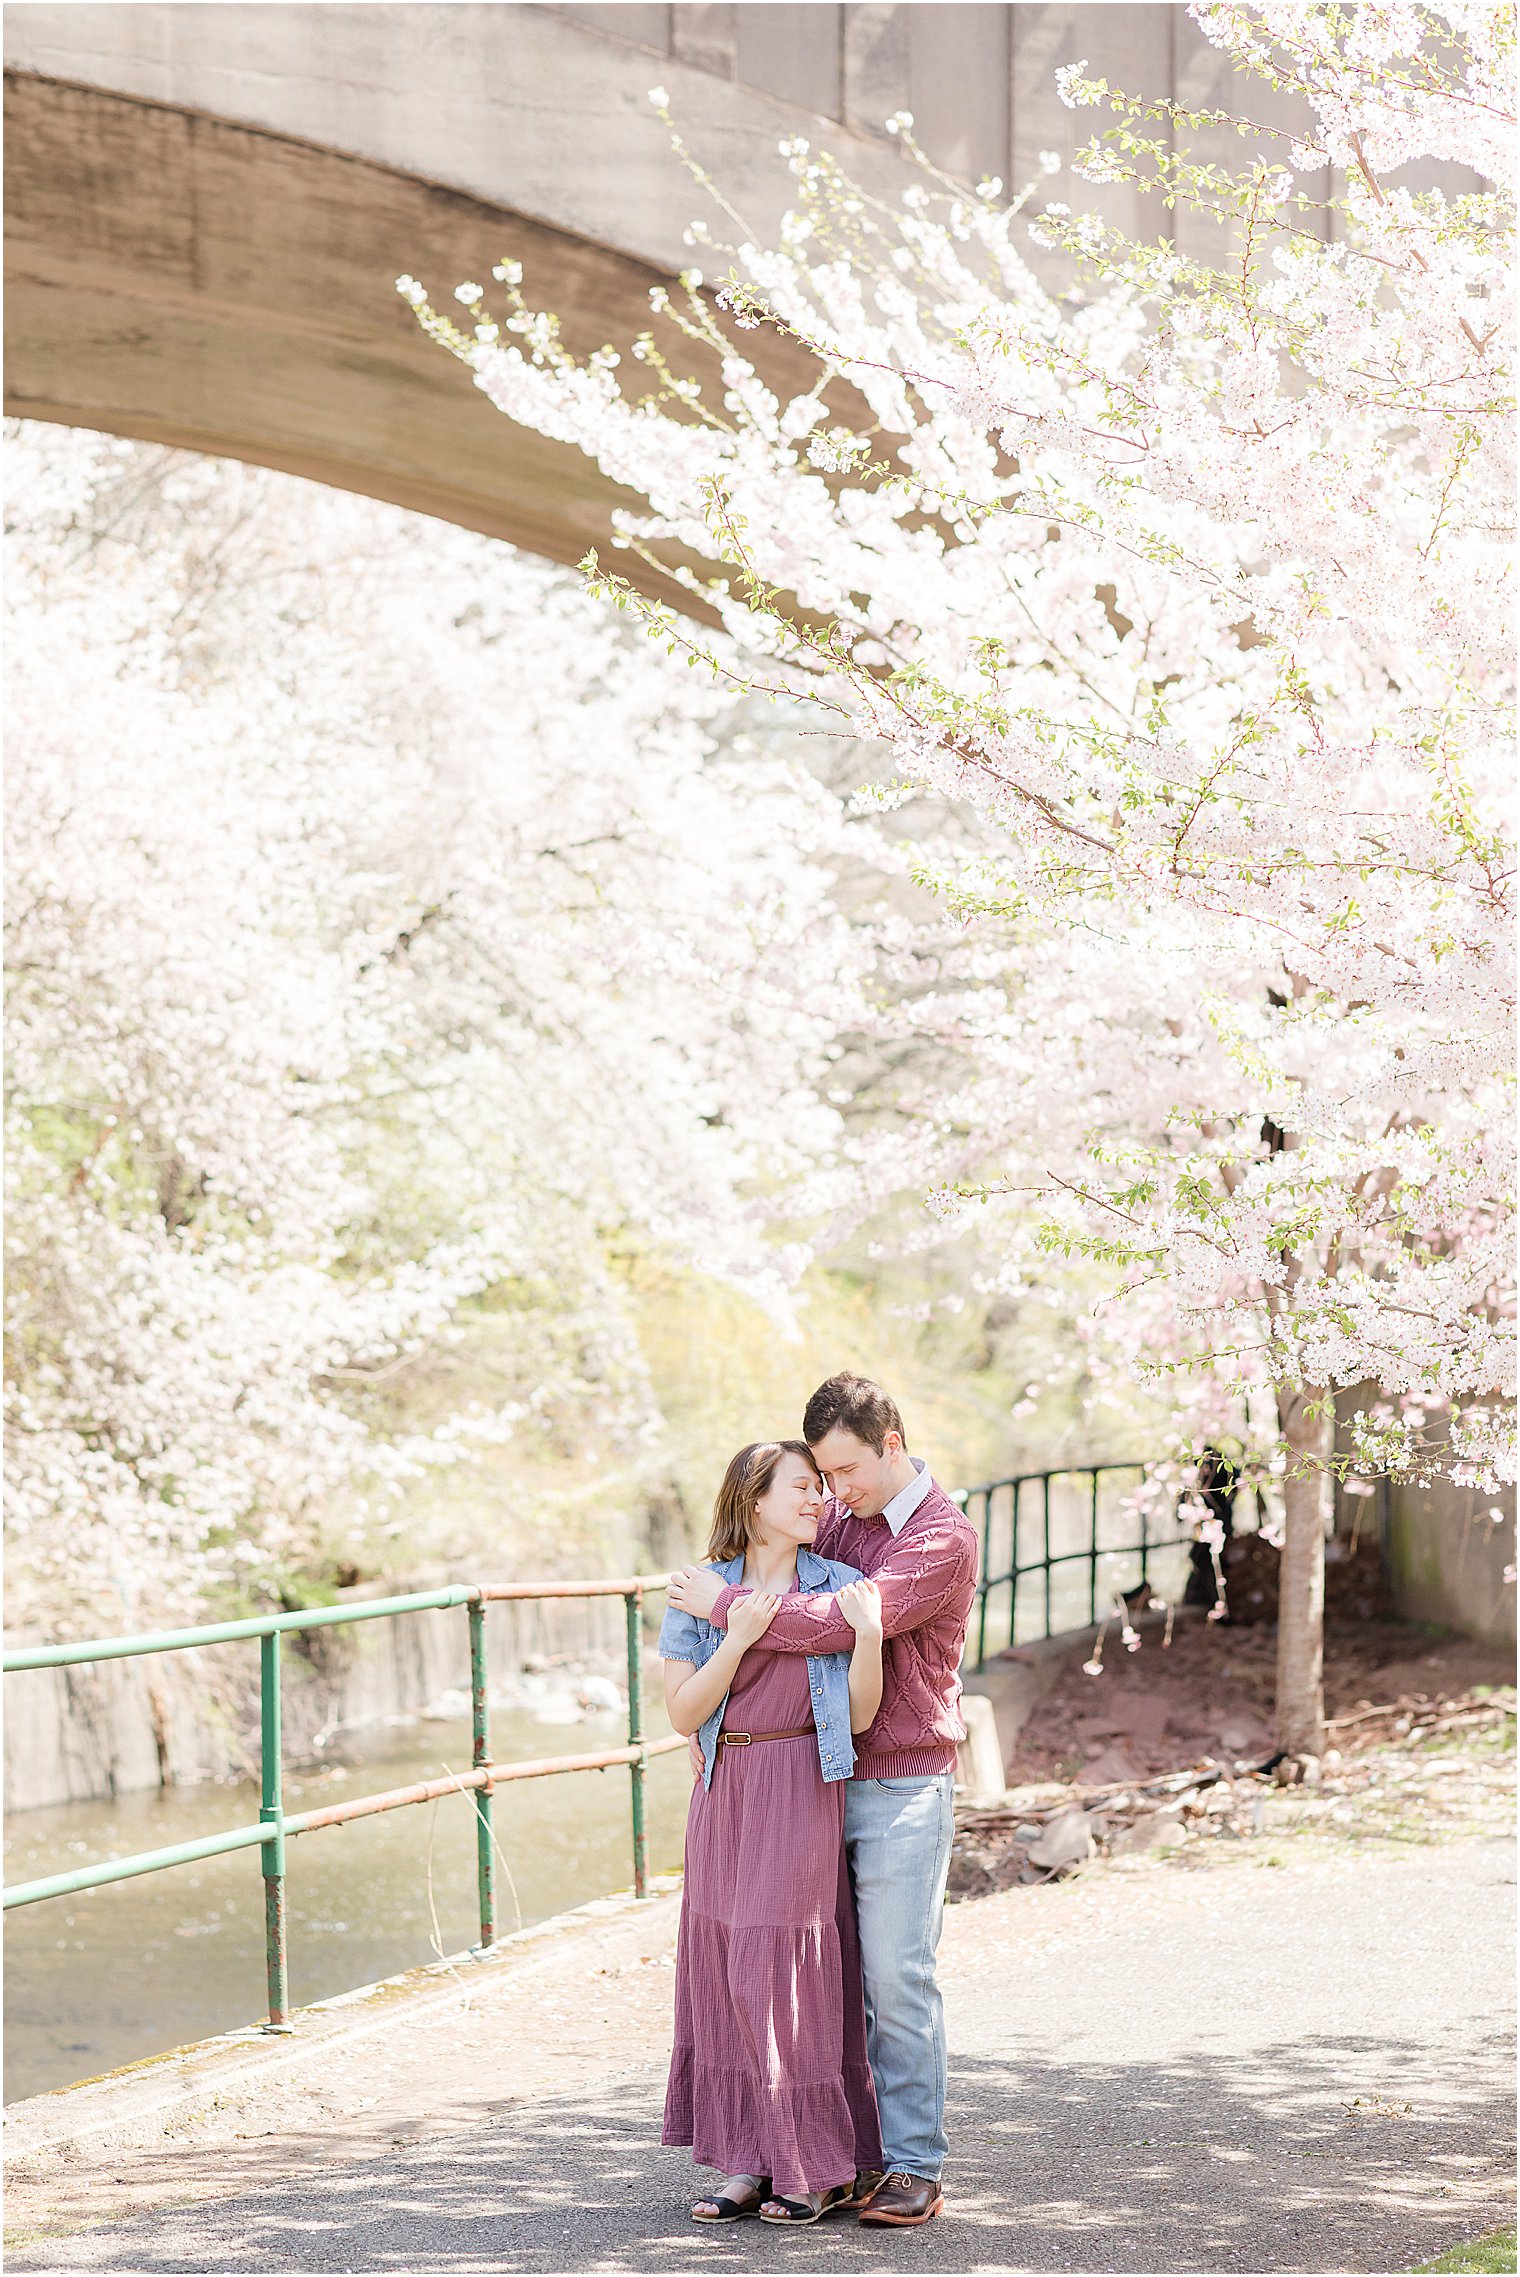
[{"x": 118, "y": 1973}]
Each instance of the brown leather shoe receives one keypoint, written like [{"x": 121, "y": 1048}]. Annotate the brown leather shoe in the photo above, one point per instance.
[
  {"x": 867, "y": 2182},
  {"x": 903, "y": 2201}
]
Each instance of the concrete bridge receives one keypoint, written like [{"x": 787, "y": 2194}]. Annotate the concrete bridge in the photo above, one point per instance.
[{"x": 208, "y": 204}]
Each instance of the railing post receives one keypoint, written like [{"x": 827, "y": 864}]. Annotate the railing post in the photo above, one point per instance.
[
  {"x": 634, "y": 1606},
  {"x": 272, "y": 1813},
  {"x": 981, "y": 1626},
  {"x": 1045, "y": 1483},
  {"x": 1095, "y": 1545},
  {"x": 1014, "y": 1568},
  {"x": 480, "y": 1716}
]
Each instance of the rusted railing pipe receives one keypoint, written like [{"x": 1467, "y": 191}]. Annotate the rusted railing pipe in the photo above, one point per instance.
[
  {"x": 490, "y": 1775},
  {"x": 631, "y": 1586},
  {"x": 335, "y": 1814}
]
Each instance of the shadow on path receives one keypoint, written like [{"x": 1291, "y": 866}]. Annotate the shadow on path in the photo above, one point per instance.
[{"x": 1262, "y": 2162}]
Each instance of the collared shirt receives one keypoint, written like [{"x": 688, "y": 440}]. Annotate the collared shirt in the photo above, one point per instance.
[{"x": 900, "y": 1509}]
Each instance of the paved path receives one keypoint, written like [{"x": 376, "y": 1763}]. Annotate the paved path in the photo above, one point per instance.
[{"x": 1227, "y": 2066}]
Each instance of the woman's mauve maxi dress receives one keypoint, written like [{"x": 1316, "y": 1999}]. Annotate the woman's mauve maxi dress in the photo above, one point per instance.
[{"x": 769, "y": 2074}]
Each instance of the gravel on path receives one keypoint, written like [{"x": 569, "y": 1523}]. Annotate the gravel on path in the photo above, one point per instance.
[{"x": 1286, "y": 2057}]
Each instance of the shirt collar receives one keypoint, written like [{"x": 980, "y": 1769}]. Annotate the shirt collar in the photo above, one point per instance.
[{"x": 900, "y": 1509}]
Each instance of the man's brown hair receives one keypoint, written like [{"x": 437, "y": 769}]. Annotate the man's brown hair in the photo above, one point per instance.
[
  {"x": 854, "y": 1404},
  {"x": 746, "y": 1479}
]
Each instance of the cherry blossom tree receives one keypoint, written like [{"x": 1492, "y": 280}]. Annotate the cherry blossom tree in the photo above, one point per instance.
[
  {"x": 1189, "y": 578},
  {"x": 387, "y": 931}
]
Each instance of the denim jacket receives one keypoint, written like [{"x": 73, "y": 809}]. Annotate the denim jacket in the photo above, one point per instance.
[{"x": 684, "y": 1637}]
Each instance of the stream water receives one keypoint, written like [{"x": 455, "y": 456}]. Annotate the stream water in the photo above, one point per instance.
[{"x": 101, "y": 1979}]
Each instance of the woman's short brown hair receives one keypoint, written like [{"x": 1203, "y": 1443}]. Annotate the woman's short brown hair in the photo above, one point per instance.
[{"x": 748, "y": 1476}]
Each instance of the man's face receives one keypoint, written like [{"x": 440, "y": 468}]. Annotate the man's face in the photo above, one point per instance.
[{"x": 857, "y": 1475}]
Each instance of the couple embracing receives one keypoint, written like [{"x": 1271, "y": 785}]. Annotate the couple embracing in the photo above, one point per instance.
[{"x": 813, "y": 1662}]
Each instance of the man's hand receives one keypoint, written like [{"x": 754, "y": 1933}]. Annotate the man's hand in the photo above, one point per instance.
[
  {"x": 860, "y": 1603},
  {"x": 694, "y": 1752},
  {"x": 695, "y": 1589}
]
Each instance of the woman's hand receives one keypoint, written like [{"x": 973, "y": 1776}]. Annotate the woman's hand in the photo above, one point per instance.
[
  {"x": 692, "y": 1693},
  {"x": 860, "y": 1603},
  {"x": 749, "y": 1617}
]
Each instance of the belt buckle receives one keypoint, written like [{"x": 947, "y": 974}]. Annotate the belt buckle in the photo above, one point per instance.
[{"x": 737, "y": 1738}]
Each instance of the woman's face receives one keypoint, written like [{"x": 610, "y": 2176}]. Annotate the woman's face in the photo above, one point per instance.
[{"x": 791, "y": 1506}]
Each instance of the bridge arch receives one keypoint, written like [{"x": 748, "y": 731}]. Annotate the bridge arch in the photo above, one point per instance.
[{"x": 208, "y": 206}]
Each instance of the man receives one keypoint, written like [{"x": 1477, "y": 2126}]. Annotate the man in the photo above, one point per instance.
[{"x": 888, "y": 1517}]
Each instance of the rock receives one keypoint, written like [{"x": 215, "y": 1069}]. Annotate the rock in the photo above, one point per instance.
[
  {"x": 1043, "y": 1796},
  {"x": 1109, "y": 1768},
  {"x": 1240, "y": 1737},
  {"x": 1356, "y": 1588},
  {"x": 1140, "y": 1715},
  {"x": 601, "y": 1695},
  {"x": 1066, "y": 1841},
  {"x": 1129, "y": 1712},
  {"x": 1153, "y": 1830}
]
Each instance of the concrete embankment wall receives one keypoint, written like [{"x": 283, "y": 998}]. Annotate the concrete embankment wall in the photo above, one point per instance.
[
  {"x": 72, "y": 1734},
  {"x": 1447, "y": 1554}
]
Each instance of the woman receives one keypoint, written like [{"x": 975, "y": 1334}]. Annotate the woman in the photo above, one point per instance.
[{"x": 769, "y": 2080}]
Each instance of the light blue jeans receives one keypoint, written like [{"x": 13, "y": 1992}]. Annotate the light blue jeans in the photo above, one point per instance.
[{"x": 897, "y": 1840}]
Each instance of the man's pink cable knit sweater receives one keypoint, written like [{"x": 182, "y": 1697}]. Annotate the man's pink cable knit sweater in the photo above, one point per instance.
[{"x": 927, "y": 1579}]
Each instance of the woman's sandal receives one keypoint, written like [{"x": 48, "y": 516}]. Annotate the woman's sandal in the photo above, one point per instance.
[
  {"x": 740, "y": 2209},
  {"x": 812, "y": 2208}
]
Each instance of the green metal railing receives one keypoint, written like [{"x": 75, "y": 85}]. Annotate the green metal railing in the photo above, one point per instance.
[
  {"x": 276, "y": 1826},
  {"x": 1030, "y": 1495}
]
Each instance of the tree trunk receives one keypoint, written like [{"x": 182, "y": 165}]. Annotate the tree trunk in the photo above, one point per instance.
[{"x": 1307, "y": 1413}]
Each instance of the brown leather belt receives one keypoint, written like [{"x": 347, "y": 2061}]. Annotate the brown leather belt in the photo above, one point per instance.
[{"x": 748, "y": 1738}]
